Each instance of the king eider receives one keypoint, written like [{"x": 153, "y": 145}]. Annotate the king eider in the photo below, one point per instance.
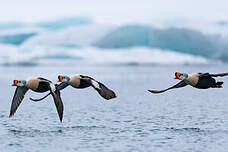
[
  {"x": 197, "y": 80},
  {"x": 80, "y": 82},
  {"x": 37, "y": 85}
]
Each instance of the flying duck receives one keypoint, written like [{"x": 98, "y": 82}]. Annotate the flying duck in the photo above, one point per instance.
[
  {"x": 37, "y": 85},
  {"x": 81, "y": 82},
  {"x": 197, "y": 80}
]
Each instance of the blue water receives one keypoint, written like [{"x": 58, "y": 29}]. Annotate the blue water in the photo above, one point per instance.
[{"x": 184, "y": 119}]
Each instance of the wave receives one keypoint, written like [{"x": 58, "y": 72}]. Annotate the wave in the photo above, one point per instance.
[
  {"x": 11, "y": 25},
  {"x": 65, "y": 22},
  {"x": 176, "y": 39},
  {"x": 16, "y": 39},
  {"x": 16, "y": 33},
  {"x": 138, "y": 56},
  {"x": 91, "y": 55},
  {"x": 77, "y": 36},
  {"x": 63, "y": 39}
]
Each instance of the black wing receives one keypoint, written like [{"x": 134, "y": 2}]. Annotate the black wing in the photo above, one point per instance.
[
  {"x": 104, "y": 91},
  {"x": 219, "y": 75},
  {"x": 17, "y": 99},
  {"x": 43, "y": 79},
  {"x": 178, "y": 85},
  {"x": 204, "y": 74},
  {"x": 39, "y": 99},
  {"x": 58, "y": 103},
  {"x": 60, "y": 86},
  {"x": 84, "y": 76}
]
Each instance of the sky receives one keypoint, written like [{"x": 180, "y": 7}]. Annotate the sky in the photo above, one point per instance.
[{"x": 112, "y": 11}]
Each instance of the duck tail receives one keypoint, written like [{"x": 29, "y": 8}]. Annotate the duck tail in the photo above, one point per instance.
[{"x": 219, "y": 84}]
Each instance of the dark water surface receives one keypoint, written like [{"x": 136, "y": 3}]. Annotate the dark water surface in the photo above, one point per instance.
[{"x": 179, "y": 120}]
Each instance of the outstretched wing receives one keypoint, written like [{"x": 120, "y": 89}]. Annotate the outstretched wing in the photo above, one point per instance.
[
  {"x": 219, "y": 75},
  {"x": 88, "y": 77},
  {"x": 60, "y": 86},
  {"x": 58, "y": 102},
  {"x": 104, "y": 91},
  {"x": 43, "y": 79},
  {"x": 204, "y": 74},
  {"x": 17, "y": 99},
  {"x": 178, "y": 85},
  {"x": 40, "y": 99}
]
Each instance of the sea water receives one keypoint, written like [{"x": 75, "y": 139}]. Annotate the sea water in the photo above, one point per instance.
[{"x": 184, "y": 119}]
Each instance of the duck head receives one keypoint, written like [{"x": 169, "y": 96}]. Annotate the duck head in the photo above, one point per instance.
[
  {"x": 19, "y": 83},
  {"x": 181, "y": 76},
  {"x": 64, "y": 79}
]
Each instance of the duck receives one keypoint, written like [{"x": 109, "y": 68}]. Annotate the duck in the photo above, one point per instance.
[
  {"x": 196, "y": 80},
  {"x": 39, "y": 85},
  {"x": 81, "y": 82}
]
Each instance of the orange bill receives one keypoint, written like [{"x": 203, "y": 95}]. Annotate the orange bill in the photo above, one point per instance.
[
  {"x": 60, "y": 77},
  {"x": 15, "y": 82},
  {"x": 177, "y": 74}
]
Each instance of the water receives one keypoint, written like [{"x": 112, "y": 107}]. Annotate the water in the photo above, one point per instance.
[{"x": 184, "y": 119}]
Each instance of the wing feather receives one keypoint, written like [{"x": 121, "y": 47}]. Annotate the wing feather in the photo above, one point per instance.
[
  {"x": 178, "y": 85},
  {"x": 58, "y": 103},
  {"x": 104, "y": 91},
  {"x": 62, "y": 85},
  {"x": 17, "y": 99},
  {"x": 219, "y": 75},
  {"x": 43, "y": 79}
]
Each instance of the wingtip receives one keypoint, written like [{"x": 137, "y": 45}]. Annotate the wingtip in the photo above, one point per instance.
[
  {"x": 114, "y": 96},
  {"x": 31, "y": 99},
  {"x": 153, "y": 91},
  {"x": 10, "y": 115},
  {"x": 61, "y": 120},
  {"x": 111, "y": 97}
]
